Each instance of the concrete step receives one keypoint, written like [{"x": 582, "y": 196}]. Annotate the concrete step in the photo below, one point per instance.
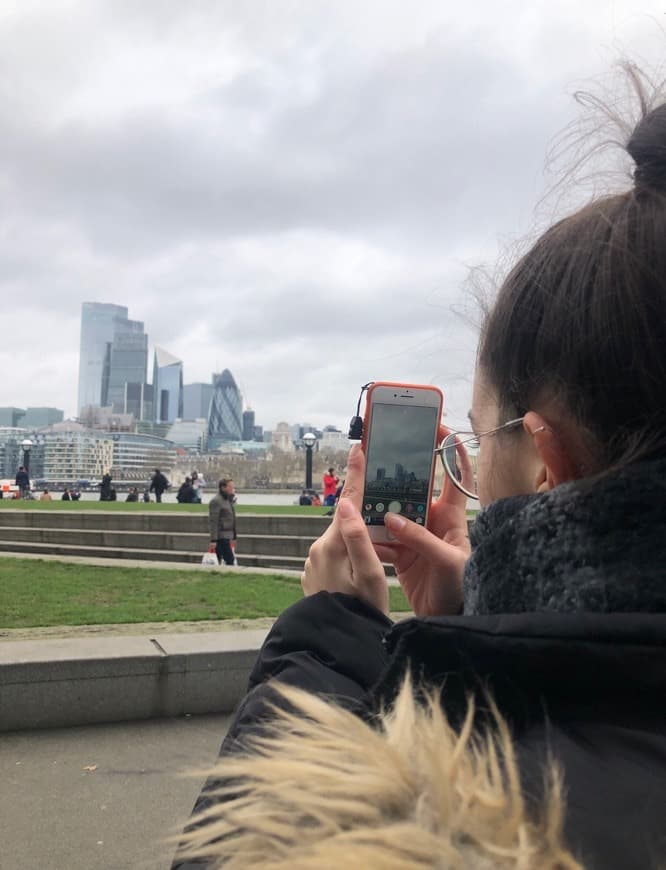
[
  {"x": 294, "y": 563},
  {"x": 78, "y": 681},
  {"x": 154, "y": 521},
  {"x": 126, "y": 540}
]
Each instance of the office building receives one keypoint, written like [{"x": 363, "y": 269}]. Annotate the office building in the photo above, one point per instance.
[
  {"x": 135, "y": 456},
  {"x": 37, "y": 418},
  {"x": 113, "y": 354},
  {"x": 196, "y": 401},
  {"x": 333, "y": 439},
  {"x": 66, "y": 452},
  {"x": 11, "y": 455},
  {"x": 138, "y": 401},
  {"x": 248, "y": 425},
  {"x": 11, "y": 417},
  {"x": 191, "y": 435},
  {"x": 225, "y": 419},
  {"x": 125, "y": 365},
  {"x": 167, "y": 387},
  {"x": 97, "y": 331},
  {"x": 281, "y": 438}
]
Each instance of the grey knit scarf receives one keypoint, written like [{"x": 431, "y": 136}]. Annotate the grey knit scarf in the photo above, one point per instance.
[{"x": 595, "y": 545}]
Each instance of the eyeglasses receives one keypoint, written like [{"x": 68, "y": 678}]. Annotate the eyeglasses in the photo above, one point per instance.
[{"x": 459, "y": 453}]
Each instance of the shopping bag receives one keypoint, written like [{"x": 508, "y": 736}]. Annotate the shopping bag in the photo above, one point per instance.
[{"x": 209, "y": 558}]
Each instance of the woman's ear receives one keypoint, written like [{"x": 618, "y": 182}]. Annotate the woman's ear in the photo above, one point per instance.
[{"x": 557, "y": 464}]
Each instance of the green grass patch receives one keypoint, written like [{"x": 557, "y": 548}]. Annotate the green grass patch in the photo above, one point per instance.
[
  {"x": 164, "y": 507},
  {"x": 42, "y": 593}
]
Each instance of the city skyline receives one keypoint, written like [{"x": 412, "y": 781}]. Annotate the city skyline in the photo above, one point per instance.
[{"x": 296, "y": 193}]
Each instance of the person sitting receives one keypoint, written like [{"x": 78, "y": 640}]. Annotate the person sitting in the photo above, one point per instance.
[
  {"x": 198, "y": 484},
  {"x": 45, "y": 496},
  {"x": 186, "y": 492},
  {"x": 304, "y": 499},
  {"x": 132, "y": 495},
  {"x": 66, "y": 495}
]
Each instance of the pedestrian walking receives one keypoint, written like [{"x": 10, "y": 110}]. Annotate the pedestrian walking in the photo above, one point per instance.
[
  {"x": 330, "y": 486},
  {"x": 222, "y": 518},
  {"x": 23, "y": 481},
  {"x": 158, "y": 484},
  {"x": 105, "y": 487}
]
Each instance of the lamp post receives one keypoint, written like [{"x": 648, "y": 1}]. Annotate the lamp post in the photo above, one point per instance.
[
  {"x": 309, "y": 439},
  {"x": 26, "y": 446}
]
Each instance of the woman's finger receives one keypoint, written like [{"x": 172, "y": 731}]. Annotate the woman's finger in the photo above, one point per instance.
[
  {"x": 355, "y": 478},
  {"x": 420, "y": 540},
  {"x": 367, "y": 570}
]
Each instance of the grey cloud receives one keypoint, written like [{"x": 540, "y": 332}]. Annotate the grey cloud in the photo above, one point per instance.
[
  {"x": 403, "y": 150},
  {"x": 332, "y": 130}
]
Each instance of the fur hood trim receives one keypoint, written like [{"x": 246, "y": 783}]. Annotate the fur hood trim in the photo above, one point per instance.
[{"x": 323, "y": 789}]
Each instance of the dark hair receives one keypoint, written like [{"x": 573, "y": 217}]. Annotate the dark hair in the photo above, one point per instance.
[
  {"x": 581, "y": 319},
  {"x": 222, "y": 483}
]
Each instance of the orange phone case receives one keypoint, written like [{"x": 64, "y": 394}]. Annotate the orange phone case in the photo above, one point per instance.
[
  {"x": 368, "y": 402},
  {"x": 366, "y": 430}
]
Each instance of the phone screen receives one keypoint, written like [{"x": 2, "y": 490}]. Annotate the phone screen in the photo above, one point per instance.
[{"x": 399, "y": 462}]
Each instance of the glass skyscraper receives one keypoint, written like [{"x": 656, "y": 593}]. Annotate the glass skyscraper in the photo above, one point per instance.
[
  {"x": 167, "y": 386},
  {"x": 248, "y": 425},
  {"x": 113, "y": 354},
  {"x": 127, "y": 363},
  {"x": 225, "y": 419},
  {"x": 97, "y": 331},
  {"x": 196, "y": 401}
]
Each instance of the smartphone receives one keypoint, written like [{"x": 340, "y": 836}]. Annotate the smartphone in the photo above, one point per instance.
[{"x": 400, "y": 432}]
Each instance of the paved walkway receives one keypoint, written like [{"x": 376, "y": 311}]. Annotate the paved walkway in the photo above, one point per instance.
[
  {"x": 102, "y": 797},
  {"x": 145, "y": 563}
]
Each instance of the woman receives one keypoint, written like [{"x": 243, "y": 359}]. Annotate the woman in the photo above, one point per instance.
[{"x": 558, "y": 606}]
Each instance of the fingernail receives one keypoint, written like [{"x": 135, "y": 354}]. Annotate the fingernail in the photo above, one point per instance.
[
  {"x": 394, "y": 521},
  {"x": 345, "y": 509}
]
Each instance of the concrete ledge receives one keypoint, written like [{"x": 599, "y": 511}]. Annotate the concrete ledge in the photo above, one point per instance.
[{"x": 53, "y": 683}]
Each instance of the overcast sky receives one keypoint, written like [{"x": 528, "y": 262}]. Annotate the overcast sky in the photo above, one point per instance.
[{"x": 292, "y": 190}]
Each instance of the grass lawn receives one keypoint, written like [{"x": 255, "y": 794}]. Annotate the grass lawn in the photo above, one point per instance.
[
  {"x": 42, "y": 593},
  {"x": 123, "y": 507}
]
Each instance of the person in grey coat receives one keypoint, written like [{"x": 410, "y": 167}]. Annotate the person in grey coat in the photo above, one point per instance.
[{"x": 222, "y": 517}]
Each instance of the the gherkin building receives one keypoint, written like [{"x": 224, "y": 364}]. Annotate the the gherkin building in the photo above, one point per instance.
[{"x": 225, "y": 418}]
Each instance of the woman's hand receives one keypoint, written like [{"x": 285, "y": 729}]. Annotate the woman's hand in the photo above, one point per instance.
[
  {"x": 344, "y": 559},
  {"x": 430, "y": 562}
]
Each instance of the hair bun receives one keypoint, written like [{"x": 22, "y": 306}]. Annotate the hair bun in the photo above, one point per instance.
[{"x": 647, "y": 147}]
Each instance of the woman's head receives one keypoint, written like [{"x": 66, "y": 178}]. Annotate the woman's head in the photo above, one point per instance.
[{"x": 576, "y": 341}]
